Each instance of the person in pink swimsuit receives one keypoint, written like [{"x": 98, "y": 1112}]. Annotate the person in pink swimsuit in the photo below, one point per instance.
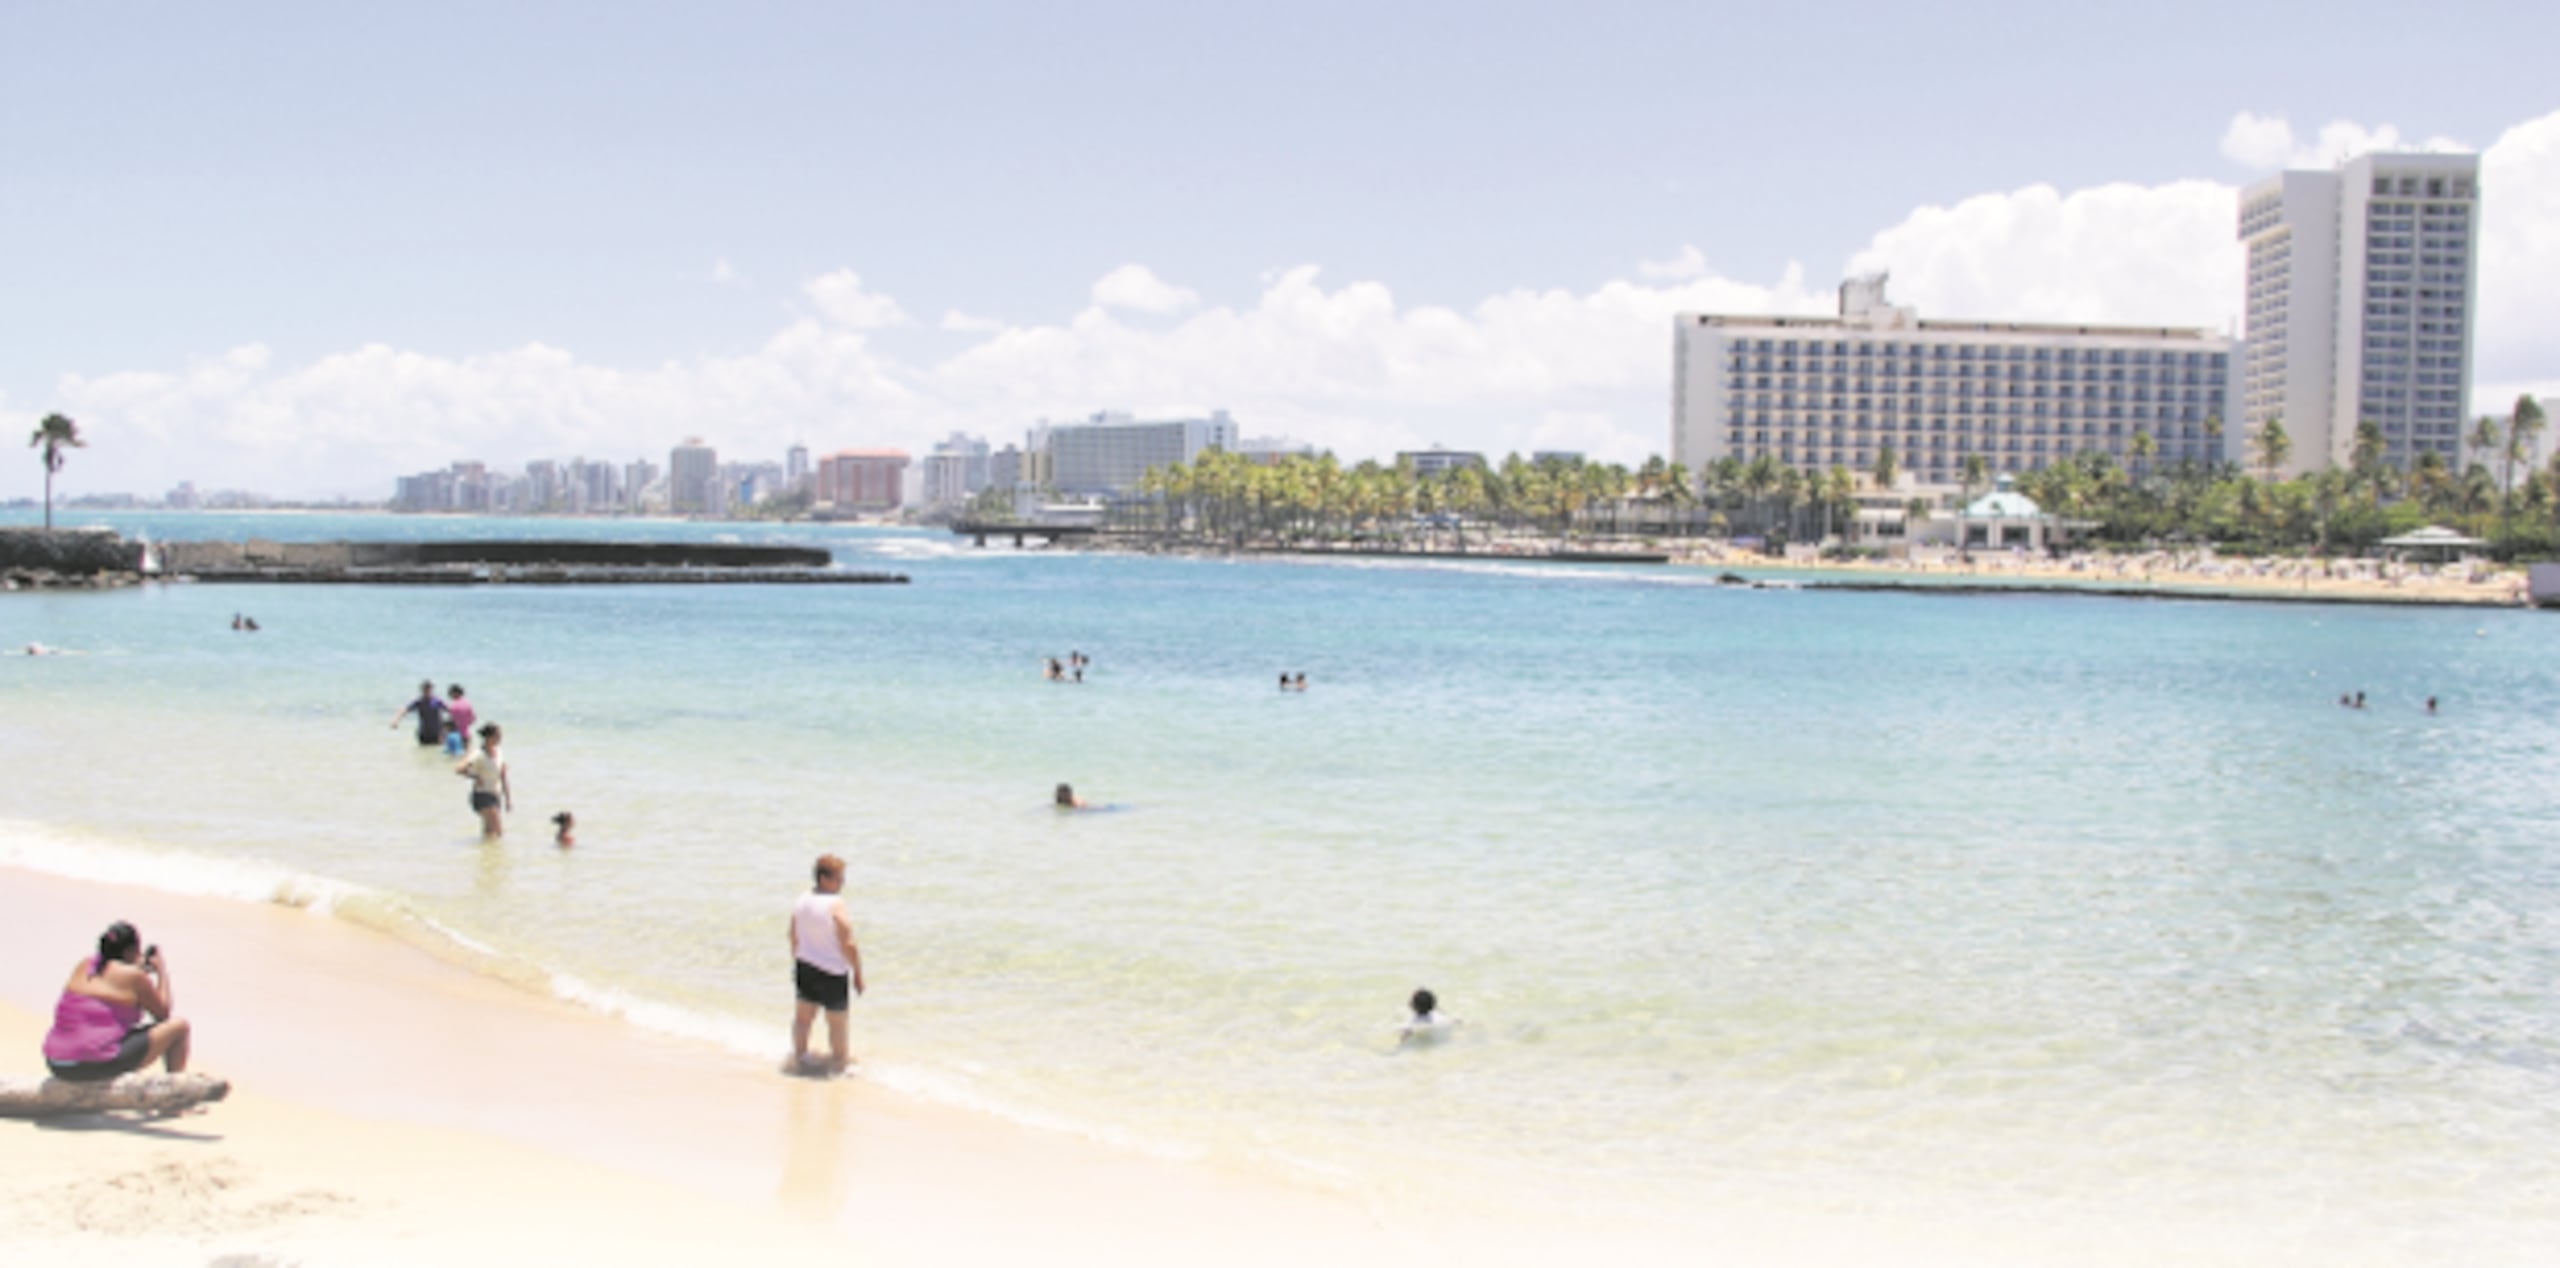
[{"x": 98, "y": 1028}]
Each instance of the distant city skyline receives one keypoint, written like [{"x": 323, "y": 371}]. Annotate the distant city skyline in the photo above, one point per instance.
[{"x": 259, "y": 261}]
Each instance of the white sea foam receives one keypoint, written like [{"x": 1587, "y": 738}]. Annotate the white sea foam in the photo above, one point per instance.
[
  {"x": 40, "y": 848},
  {"x": 37, "y": 848}
]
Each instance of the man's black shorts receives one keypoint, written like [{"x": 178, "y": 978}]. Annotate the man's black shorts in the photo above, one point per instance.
[{"x": 817, "y": 986}]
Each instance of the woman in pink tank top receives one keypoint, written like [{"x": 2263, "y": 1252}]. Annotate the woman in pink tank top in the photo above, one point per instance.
[{"x": 98, "y": 1028}]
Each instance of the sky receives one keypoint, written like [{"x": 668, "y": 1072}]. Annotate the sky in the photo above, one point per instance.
[{"x": 308, "y": 248}]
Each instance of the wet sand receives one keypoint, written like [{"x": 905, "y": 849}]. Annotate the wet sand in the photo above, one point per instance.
[{"x": 390, "y": 1108}]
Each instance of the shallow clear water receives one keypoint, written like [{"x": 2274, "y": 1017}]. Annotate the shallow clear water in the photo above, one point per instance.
[{"x": 2076, "y": 907}]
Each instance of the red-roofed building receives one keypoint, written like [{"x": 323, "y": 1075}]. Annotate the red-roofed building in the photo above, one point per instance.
[{"x": 862, "y": 479}]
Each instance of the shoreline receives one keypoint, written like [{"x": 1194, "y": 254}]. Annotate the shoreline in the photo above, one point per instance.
[
  {"x": 2094, "y": 575},
  {"x": 391, "y": 1107}
]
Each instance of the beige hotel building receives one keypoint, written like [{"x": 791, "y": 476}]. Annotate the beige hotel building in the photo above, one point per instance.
[{"x": 1820, "y": 392}]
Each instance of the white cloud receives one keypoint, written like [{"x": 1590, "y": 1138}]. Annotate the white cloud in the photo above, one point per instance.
[
  {"x": 2518, "y": 339},
  {"x": 962, "y": 323},
  {"x": 2268, "y": 143},
  {"x": 840, "y": 297},
  {"x": 2159, "y": 255},
  {"x": 1691, "y": 262},
  {"x": 1136, "y": 288},
  {"x": 1342, "y": 365},
  {"x": 722, "y": 274},
  {"x": 2255, "y": 142}
]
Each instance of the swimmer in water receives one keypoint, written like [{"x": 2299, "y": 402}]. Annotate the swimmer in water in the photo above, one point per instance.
[
  {"x": 1067, "y": 798},
  {"x": 1427, "y": 1024},
  {"x": 564, "y": 829}
]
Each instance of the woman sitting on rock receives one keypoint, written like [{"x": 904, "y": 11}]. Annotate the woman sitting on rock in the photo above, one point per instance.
[{"x": 98, "y": 1031}]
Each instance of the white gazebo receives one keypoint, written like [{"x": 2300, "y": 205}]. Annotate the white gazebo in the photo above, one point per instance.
[
  {"x": 2434, "y": 537},
  {"x": 1997, "y": 520}
]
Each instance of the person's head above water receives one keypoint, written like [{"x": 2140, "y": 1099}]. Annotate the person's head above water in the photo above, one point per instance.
[
  {"x": 1067, "y": 795},
  {"x": 1425, "y": 1003},
  {"x": 426, "y": 689},
  {"x": 455, "y": 691}
]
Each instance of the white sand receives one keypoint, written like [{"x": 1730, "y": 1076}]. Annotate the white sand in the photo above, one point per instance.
[{"x": 393, "y": 1109}]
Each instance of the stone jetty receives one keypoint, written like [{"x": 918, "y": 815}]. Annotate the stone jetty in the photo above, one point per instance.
[{"x": 40, "y": 559}]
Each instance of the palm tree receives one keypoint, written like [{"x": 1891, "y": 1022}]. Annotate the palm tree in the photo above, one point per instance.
[
  {"x": 2366, "y": 457},
  {"x": 1976, "y": 471},
  {"x": 1888, "y": 465},
  {"x": 54, "y": 435},
  {"x": 2273, "y": 446},
  {"x": 2430, "y": 481},
  {"x": 2140, "y": 449},
  {"x": 2522, "y": 426},
  {"x": 1681, "y": 492},
  {"x": 2484, "y": 438},
  {"x": 1759, "y": 477},
  {"x": 1839, "y": 494}
]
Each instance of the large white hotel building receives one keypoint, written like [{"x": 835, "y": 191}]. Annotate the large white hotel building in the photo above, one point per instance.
[
  {"x": 1110, "y": 452},
  {"x": 1820, "y": 392},
  {"x": 2360, "y": 305}
]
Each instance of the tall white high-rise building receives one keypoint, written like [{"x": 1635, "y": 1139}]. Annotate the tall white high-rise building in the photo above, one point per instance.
[
  {"x": 2360, "y": 296},
  {"x": 955, "y": 471},
  {"x": 1823, "y": 392}
]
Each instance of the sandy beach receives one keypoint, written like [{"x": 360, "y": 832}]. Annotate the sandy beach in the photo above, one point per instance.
[
  {"x": 390, "y": 1109},
  {"x": 2166, "y": 575}
]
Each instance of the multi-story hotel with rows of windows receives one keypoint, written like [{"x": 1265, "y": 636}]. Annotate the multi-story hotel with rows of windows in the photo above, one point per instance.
[
  {"x": 2360, "y": 297},
  {"x": 1820, "y": 392}
]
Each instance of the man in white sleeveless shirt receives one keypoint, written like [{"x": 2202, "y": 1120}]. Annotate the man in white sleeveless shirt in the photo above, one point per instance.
[{"x": 824, "y": 963}]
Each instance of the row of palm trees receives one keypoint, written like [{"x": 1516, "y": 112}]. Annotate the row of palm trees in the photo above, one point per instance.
[{"x": 1228, "y": 499}]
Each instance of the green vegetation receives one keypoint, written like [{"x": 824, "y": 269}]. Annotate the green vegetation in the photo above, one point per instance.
[{"x": 1228, "y": 500}]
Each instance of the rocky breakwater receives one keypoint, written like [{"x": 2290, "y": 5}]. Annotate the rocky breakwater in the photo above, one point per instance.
[
  {"x": 509, "y": 562},
  {"x": 41, "y": 559}
]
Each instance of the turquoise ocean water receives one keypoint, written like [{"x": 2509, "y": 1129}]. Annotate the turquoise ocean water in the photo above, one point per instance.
[{"x": 2042, "y": 907}]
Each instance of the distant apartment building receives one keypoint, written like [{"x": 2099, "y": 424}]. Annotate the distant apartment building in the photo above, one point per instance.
[
  {"x": 1005, "y": 468},
  {"x": 1109, "y": 452},
  {"x": 1823, "y": 392},
  {"x": 956, "y": 470},
  {"x": 795, "y": 465},
  {"x": 595, "y": 487},
  {"x": 639, "y": 476},
  {"x": 746, "y": 483},
  {"x": 543, "y": 486},
  {"x": 426, "y": 491},
  {"x": 862, "y": 480},
  {"x": 472, "y": 488},
  {"x": 693, "y": 479},
  {"x": 1271, "y": 450},
  {"x": 1436, "y": 461},
  {"x": 2360, "y": 294},
  {"x": 185, "y": 498}
]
